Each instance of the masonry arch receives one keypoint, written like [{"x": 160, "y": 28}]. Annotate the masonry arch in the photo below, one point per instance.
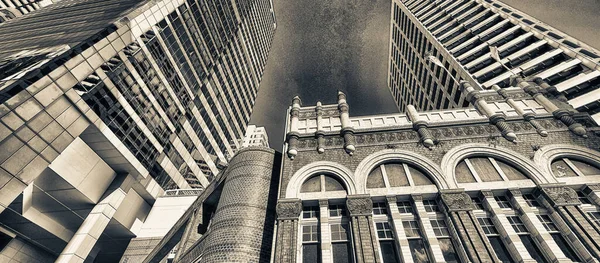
[{"x": 331, "y": 169}]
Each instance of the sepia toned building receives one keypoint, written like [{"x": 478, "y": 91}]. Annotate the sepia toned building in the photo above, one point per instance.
[
  {"x": 460, "y": 33},
  {"x": 506, "y": 181},
  {"x": 256, "y": 136},
  {"x": 106, "y": 105},
  {"x": 10, "y": 9}
]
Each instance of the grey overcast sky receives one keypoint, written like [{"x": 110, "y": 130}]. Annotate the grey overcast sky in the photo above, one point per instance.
[{"x": 324, "y": 45}]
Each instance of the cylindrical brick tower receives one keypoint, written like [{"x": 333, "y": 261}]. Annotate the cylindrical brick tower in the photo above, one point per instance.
[{"x": 242, "y": 227}]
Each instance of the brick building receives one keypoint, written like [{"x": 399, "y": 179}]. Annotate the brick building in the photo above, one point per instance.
[{"x": 515, "y": 179}]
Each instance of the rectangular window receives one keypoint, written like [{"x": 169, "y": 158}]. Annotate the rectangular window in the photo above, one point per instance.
[
  {"x": 418, "y": 250},
  {"x": 487, "y": 225},
  {"x": 339, "y": 232},
  {"x": 531, "y": 200},
  {"x": 477, "y": 203},
  {"x": 341, "y": 248},
  {"x": 311, "y": 253},
  {"x": 405, "y": 207},
  {"x": 448, "y": 250},
  {"x": 379, "y": 208},
  {"x": 384, "y": 231},
  {"x": 310, "y": 212},
  {"x": 584, "y": 200},
  {"x": 517, "y": 224},
  {"x": 411, "y": 228},
  {"x": 565, "y": 247},
  {"x": 337, "y": 210},
  {"x": 502, "y": 201},
  {"x": 439, "y": 228},
  {"x": 547, "y": 222},
  {"x": 310, "y": 233},
  {"x": 388, "y": 251},
  {"x": 430, "y": 206},
  {"x": 532, "y": 248},
  {"x": 500, "y": 249}
]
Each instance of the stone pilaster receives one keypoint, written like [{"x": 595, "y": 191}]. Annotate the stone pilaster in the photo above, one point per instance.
[
  {"x": 473, "y": 239},
  {"x": 402, "y": 241},
  {"x": 536, "y": 229},
  {"x": 288, "y": 214},
  {"x": 428, "y": 234},
  {"x": 360, "y": 208},
  {"x": 514, "y": 244},
  {"x": 563, "y": 204},
  {"x": 592, "y": 191},
  {"x": 326, "y": 252}
]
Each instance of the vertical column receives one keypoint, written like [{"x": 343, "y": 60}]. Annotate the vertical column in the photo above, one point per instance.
[
  {"x": 563, "y": 204},
  {"x": 80, "y": 246},
  {"x": 428, "y": 234},
  {"x": 360, "y": 208},
  {"x": 514, "y": 244},
  {"x": 293, "y": 135},
  {"x": 288, "y": 214},
  {"x": 399, "y": 229},
  {"x": 347, "y": 130},
  {"x": 592, "y": 191},
  {"x": 535, "y": 227},
  {"x": 459, "y": 206},
  {"x": 326, "y": 253}
]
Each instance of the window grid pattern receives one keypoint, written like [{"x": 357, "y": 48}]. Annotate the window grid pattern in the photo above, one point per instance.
[
  {"x": 380, "y": 208},
  {"x": 405, "y": 207},
  {"x": 384, "y": 230}
]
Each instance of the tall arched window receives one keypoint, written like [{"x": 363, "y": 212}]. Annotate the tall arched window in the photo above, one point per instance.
[
  {"x": 568, "y": 167},
  {"x": 486, "y": 169},
  {"x": 322, "y": 183},
  {"x": 396, "y": 175}
]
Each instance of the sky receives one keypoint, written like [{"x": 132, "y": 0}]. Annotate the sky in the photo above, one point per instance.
[{"x": 322, "y": 46}]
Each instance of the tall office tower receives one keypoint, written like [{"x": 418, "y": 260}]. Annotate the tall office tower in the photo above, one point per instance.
[
  {"x": 10, "y": 9},
  {"x": 459, "y": 34},
  {"x": 255, "y": 136},
  {"x": 107, "y": 104}
]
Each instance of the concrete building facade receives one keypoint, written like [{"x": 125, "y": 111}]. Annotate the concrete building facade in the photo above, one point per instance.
[
  {"x": 256, "y": 136},
  {"x": 105, "y": 105},
  {"x": 459, "y": 34},
  {"x": 10, "y": 9}
]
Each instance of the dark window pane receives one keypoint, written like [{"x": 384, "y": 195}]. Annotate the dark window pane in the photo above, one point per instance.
[
  {"x": 511, "y": 172},
  {"x": 388, "y": 251},
  {"x": 332, "y": 184},
  {"x": 312, "y": 184},
  {"x": 341, "y": 252},
  {"x": 532, "y": 248},
  {"x": 418, "y": 177},
  {"x": 561, "y": 169},
  {"x": 396, "y": 175},
  {"x": 448, "y": 250},
  {"x": 484, "y": 168},
  {"x": 418, "y": 251},
  {"x": 463, "y": 174},
  {"x": 375, "y": 179},
  {"x": 565, "y": 247},
  {"x": 310, "y": 253},
  {"x": 4, "y": 240},
  {"x": 585, "y": 168},
  {"x": 500, "y": 249}
]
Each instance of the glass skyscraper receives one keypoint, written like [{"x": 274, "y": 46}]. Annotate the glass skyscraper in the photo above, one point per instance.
[
  {"x": 119, "y": 100},
  {"x": 459, "y": 34}
]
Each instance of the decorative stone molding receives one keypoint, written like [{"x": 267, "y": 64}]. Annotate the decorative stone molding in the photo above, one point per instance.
[
  {"x": 320, "y": 167},
  {"x": 457, "y": 154},
  {"x": 358, "y": 205},
  {"x": 457, "y": 201},
  {"x": 486, "y": 193},
  {"x": 323, "y": 202},
  {"x": 289, "y": 208},
  {"x": 425, "y": 164},
  {"x": 545, "y": 155},
  {"x": 560, "y": 195}
]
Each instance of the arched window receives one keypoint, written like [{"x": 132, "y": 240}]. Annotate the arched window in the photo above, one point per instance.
[
  {"x": 322, "y": 183},
  {"x": 486, "y": 169},
  {"x": 396, "y": 175},
  {"x": 567, "y": 167}
]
